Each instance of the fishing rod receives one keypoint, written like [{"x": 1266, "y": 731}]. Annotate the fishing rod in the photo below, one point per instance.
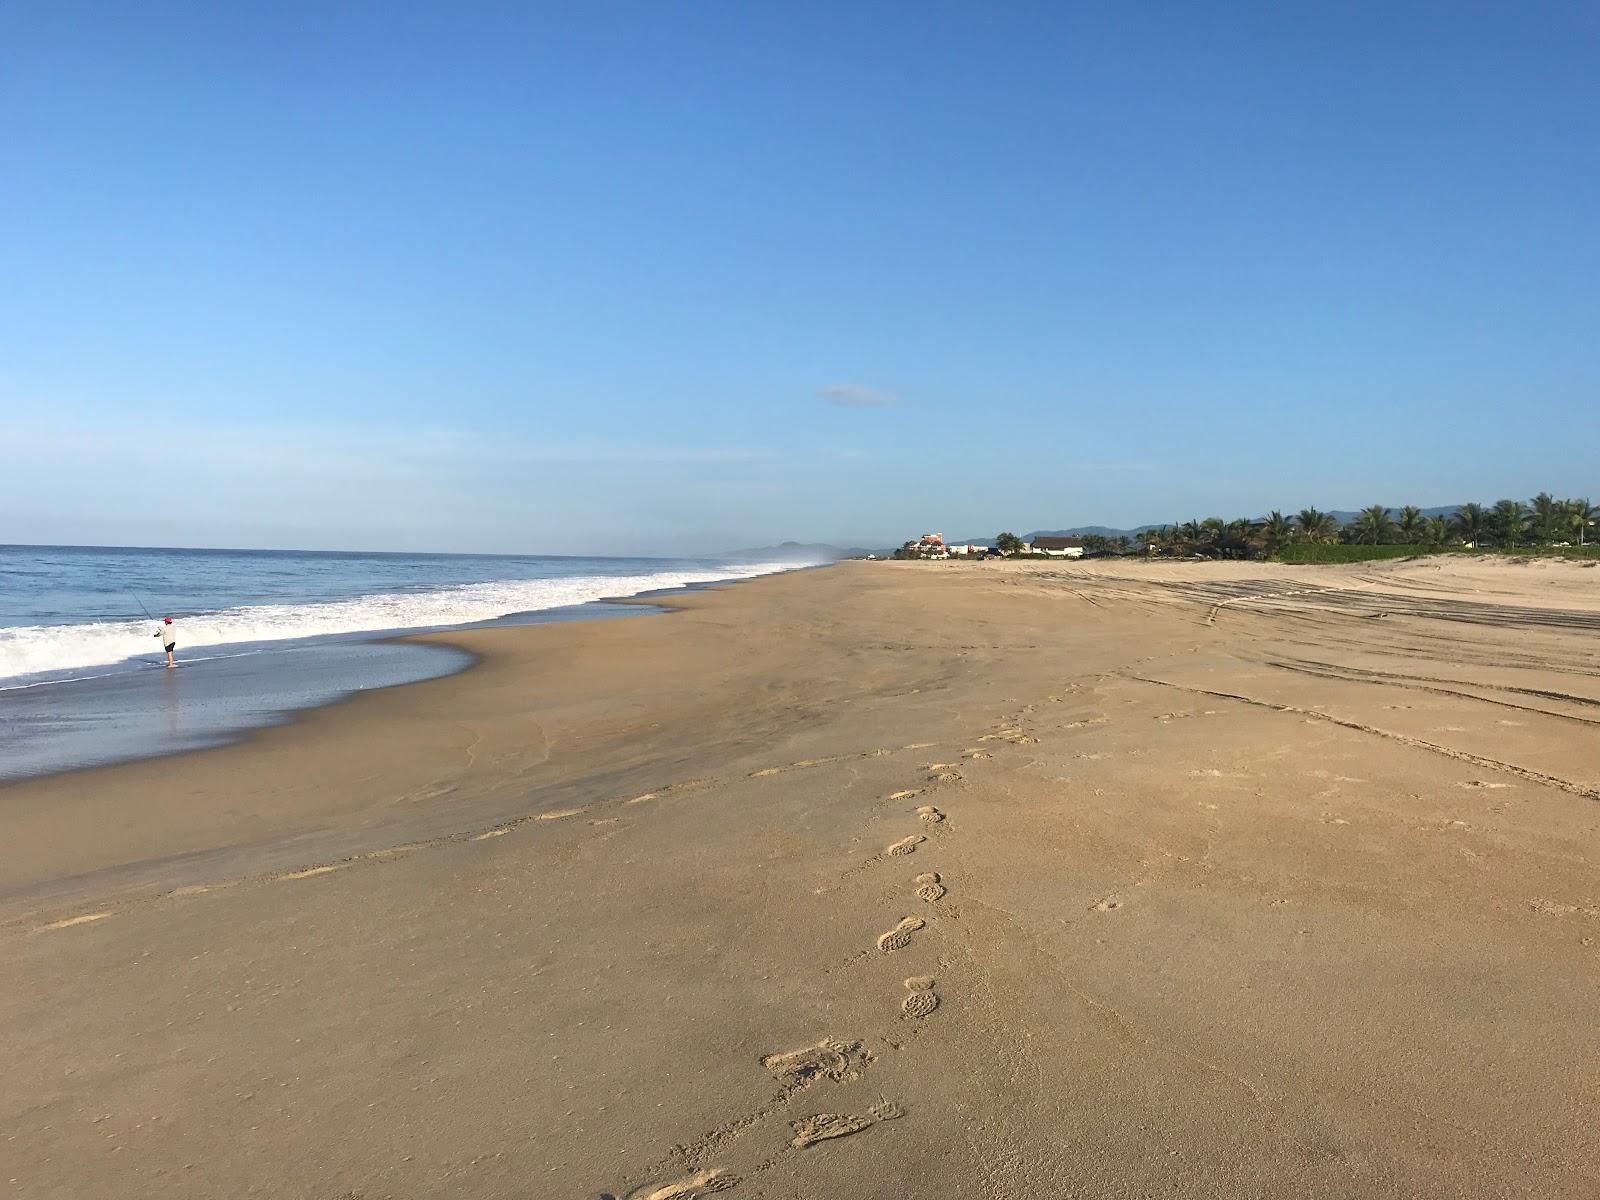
[{"x": 144, "y": 610}]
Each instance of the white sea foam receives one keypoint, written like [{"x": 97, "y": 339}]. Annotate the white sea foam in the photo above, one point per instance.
[{"x": 37, "y": 649}]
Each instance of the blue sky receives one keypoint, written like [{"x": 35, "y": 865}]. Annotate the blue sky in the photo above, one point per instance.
[{"x": 683, "y": 277}]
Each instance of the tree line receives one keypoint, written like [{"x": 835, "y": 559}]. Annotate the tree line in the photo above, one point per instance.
[{"x": 1508, "y": 524}]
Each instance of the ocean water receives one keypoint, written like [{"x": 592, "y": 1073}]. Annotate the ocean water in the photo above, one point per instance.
[{"x": 260, "y": 634}]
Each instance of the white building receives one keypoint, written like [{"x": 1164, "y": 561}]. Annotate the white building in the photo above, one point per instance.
[{"x": 1059, "y": 547}]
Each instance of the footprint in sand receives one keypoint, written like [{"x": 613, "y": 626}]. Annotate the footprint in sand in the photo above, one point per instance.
[
  {"x": 1109, "y": 904},
  {"x": 701, "y": 1183},
  {"x": 906, "y": 795},
  {"x": 1552, "y": 908},
  {"x": 922, "y": 1000},
  {"x": 828, "y": 1059},
  {"x": 946, "y": 777},
  {"x": 930, "y": 815},
  {"x": 899, "y": 937},
  {"x": 906, "y": 845},
  {"x": 825, "y": 1126},
  {"x": 929, "y": 886}
]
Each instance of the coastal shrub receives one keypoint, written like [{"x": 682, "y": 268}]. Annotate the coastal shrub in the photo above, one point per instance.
[
  {"x": 1314, "y": 552},
  {"x": 1334, "y": 552}
]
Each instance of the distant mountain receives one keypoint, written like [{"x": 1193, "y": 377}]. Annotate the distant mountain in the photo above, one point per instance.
[
  {"x": 1075, "y": 531},
  {"x": 1081, "y": 531},
  {"x": 1344, "y": 516},
  {"x": 799, "y": 552}
]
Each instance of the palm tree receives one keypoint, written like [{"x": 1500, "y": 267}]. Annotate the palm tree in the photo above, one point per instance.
[
  {"x": 1471, "y": 523},
  {"x": 1211, "y": 532},
  {"x": 1435, "y": 531},
  {"x": 1547, "y": 517},
  {"x": 1581, "y": 514},
  {"x": 1276, "y": 532},
  {"x": 1411, "y": 523},
  {"x": 1316, "y": 526},
  {"x": 1509, "y": 521},
  {"x": 1372, "y": 526},
  {"x": 1235, "y": 537}
]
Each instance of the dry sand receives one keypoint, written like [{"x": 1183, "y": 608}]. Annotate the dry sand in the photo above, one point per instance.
[{"x": 924, "y": 880}]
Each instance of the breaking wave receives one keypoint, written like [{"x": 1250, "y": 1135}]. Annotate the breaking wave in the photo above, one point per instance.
[{"x": 54, "y": 649}]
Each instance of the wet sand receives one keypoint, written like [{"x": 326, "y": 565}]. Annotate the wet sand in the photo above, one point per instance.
[{"x": 956, "y": 880}]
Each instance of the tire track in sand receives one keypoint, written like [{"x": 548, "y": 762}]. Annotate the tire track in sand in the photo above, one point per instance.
[{"x": 1477, "y": 760}]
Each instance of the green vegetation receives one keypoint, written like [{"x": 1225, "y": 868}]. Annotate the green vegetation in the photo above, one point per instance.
[
  {"x": 1312, "y": 552},
  {"x": 1543, "y": 526},
  {"x": 1335, "y": 552},
  {"x": 1372, "y": 527}
]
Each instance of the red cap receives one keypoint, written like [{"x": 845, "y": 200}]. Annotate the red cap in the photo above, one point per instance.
[{"x": 169, "y": 620}]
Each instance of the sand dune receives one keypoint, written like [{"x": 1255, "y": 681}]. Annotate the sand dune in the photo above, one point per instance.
[{"x": 932, "y": 880}]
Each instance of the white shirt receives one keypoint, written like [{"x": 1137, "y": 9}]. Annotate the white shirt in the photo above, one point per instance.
[{"x": 168, "y": 633}]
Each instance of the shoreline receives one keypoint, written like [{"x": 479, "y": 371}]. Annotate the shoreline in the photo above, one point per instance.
[
  {"x": 500, "y": 644},
  {"x": 76, "y": 714},
  {"x": 986, "y": 881}
]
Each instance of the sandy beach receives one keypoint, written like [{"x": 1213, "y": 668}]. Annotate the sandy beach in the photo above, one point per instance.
[{"x": 995, "y": 880}]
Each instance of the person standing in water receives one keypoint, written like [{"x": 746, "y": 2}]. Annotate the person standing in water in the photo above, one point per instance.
[{"x": 168, "y": 633}]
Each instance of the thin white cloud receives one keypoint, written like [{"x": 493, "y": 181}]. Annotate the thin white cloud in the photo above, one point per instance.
[{"x": 854, "y": 395}]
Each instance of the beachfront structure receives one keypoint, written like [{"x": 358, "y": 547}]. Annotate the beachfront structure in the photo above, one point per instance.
[
  {"x": 929, "y": 545},
  {"x": 1059, "y": 547}
]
